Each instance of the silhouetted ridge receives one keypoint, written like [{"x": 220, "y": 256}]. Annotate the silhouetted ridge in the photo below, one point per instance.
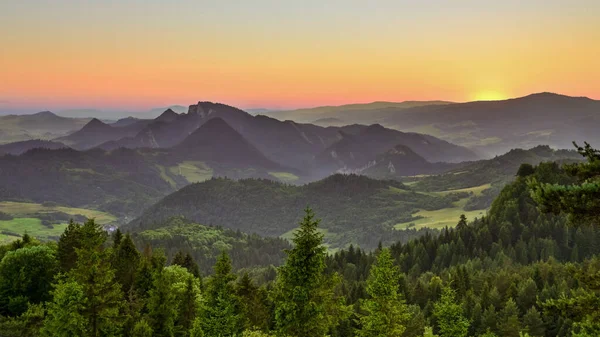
[
  {"x": 216, "y": 141},
  {"x": 167, "y": 116},
  {"x": 96, "y": 125}
]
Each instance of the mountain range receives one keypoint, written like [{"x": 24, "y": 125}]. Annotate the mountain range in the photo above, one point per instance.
[
  {"x": 488, "y": 127},
  {"x": 299, "y": 146}
]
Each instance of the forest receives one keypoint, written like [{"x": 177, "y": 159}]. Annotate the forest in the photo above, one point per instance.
[{"x": 527, "y": 268}]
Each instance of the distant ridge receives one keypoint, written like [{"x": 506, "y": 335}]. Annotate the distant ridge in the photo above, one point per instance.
[
  {"x": 216, "y": 141},
  {"x": 18, "y": 148}
]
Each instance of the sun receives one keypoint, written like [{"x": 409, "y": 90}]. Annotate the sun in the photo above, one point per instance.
[{"x": 490, "y": 95}]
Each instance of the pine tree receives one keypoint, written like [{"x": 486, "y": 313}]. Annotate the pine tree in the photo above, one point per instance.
[
  {"x": 221, "y": 312},
  {"x": 179, "y": 259},
  {"x": 69, "y": 241},
  {"x": 191, "y": 265},
  {"x": 509, "y": 320},
  {"x": 188, "y": 307},
  {"x": 533, "y": 323},
  {"x": 126, "y": 262},
  {"x": 449, "y": 316},
  {"x": 162, "y": 307},
  {"x": 462, "y": 223},
  {"x": 117, "y": 237},
  {"x": 93, "y": 271},
  {"x": 254, "y": 301},
  {"x": 386, "y": 314},
  {"x": 142, "y": 329},
  {"x": 305, "y": 303}
]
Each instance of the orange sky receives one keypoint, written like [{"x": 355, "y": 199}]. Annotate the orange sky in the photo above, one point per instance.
[{"x": 142, "y": 54}]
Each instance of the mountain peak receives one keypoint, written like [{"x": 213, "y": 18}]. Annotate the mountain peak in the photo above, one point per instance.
[
  {"x": 552, "y": 95},
  {"x": 45, "y": 114},
  {"x": 217, "y": 141},
  {"x": 167, "y": 116},
  {"x": 95, "y": 124}
]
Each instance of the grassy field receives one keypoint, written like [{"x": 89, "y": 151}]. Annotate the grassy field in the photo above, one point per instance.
[
  {"x": 284, "y": 177},
  {"x": 476, "y": 190},
  {"x": 23, "y": 221},
  {"x": 447, "y": 216},
  {"x": 31, "y": 226},
  {"x": 193, "y": 171},
  {"x": 165, "y": 176}
]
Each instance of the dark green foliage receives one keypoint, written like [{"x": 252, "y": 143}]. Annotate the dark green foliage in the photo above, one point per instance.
[
  {"x": 221, "y": 310},
  {"x": 203, "y": 244},
  {"x": 104, "y": 299},
  {"x": 65, "y": 315},
  {"x": 385, "y": 313},
  {"x": 450, "y": 320},
  {"x": 305, "y": 303},
  {"x": 70, "y": 240},
  {"x": 26, "y": 275},
  {"x": 126, "y": 262},
  {"x": 254, "y": 302},
  {"x": 26, "y": 325},
  {"x": 581, "y": 200},
  {"x": 355, "y": 209},
  {"x": 188, "y": 307},
  {"x": 162, "y": 307}
]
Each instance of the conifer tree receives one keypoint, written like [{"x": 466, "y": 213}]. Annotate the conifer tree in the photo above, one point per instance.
[
  {"x": 221, "y": 310},
  {"x": 117, "y": 237},
  {"x": 142, "y": 329},
  {"x": 386, "y": 314},
  {"x": 305, "y": 302},
  {"x": 162, "y": 307},
  {"x": 254, "y": 303},
  {"x": 69, "y": 241},
  {"x": 126, "y": 262},
  {"x": 533, "y": 323},
  {"x": 450, "y": 319},
  {"x": 509, "y": 320},
  {"x": 93, "y": 271},
  {"x": 188, "y": 307}
]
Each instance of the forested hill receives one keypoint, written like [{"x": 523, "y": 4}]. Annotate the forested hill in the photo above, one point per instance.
[
  {"x": 500, "y": 169},
  {"x": 355, "y": 209},
  {"x": 206, "y": 243},
  {"x": 518, "y": 272}
]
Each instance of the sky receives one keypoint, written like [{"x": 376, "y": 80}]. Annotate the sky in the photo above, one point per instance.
[{"x": 139, "y": 54}]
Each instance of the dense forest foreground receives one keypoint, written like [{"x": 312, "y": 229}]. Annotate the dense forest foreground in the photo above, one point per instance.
[{"x": 527, "y": 268}]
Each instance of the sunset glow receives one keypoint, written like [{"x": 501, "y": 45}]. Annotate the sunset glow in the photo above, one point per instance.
[
  {"x": 490, "y": 96},
  {"x": 142, "y": 54}
]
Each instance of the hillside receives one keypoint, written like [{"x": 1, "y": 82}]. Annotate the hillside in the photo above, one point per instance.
[
  {"x": 355, "y": 209},
  {"x": 498, "y": 126},
  {"x": 42, "y": 125},
  {"x": 357, "y": 151},
  {"x": 402, "y": 161},
  {"x": 216, "y": 141},
  {"x": 97, "y": 132},
  {"x": 126, "y": 181},
  {"x": 121, "y": 182},
  {"x": 206, "y": 243},
  {"x": 18, "y": 148},
  {"x": 492, "y": 174}
]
